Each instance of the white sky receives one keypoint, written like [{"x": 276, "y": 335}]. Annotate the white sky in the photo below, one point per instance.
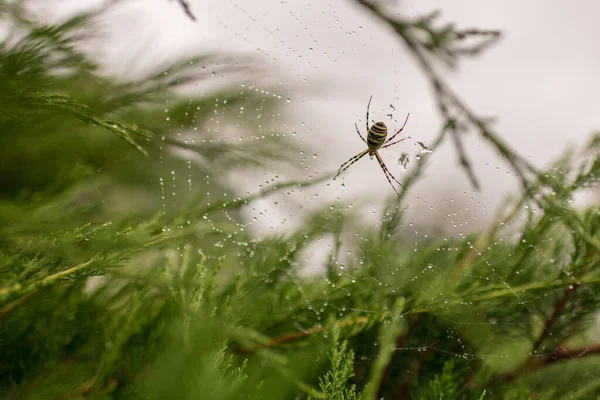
[{"x": 540, "y": 82}]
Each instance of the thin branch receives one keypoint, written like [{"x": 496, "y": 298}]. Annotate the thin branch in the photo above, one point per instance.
[
  {"x": 187, "y": 9},
  {"x": 559, "y": 306},
  {"x": 92, "y": 388},
  {"x": 302, "y": 334},
  {"x": 553, "y": 358},
  {"x": 564, "y": 354},
  {"x": 560, "y": 353}
]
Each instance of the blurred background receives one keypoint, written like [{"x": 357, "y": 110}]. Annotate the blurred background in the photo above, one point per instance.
[{"x": 320, "y": 62}]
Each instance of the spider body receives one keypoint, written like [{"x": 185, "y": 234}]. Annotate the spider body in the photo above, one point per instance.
[
  {"x": 376, "y": 136},
  {"x": 376, "y": 139}
]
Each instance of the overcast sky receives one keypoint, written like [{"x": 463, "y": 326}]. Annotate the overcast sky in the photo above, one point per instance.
[{"x": 540, "y": 82}]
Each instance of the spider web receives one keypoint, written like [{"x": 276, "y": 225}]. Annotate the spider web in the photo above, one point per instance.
[{"x": 324, "y": 61}]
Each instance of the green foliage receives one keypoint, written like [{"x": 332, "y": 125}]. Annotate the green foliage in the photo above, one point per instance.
[
  {"x": 112, "y": 287},
  {"x": 334, "y": 383},
  {"x": 445, "y": 386}
]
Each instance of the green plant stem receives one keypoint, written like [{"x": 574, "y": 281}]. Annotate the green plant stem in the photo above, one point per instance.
[{"x": 32, "y": 287}]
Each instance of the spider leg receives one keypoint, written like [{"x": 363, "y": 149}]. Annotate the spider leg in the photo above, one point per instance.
[
  {"x": 392, "y": 176},
  {"x": 396, "y": 134},
  {"x": 351, "y": 161},
  {"x": 359, "y": 134},
  {"x": 368, "y": 105},
  {"x": 397, "y": 141},
  {"x": 388, "y": 174}
]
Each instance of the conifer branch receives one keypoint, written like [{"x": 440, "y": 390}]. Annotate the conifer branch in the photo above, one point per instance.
[
  {"x": 125, "y": 131},
  {"x": 22, "y": 291},
  {"x": 231, "y": 204}
]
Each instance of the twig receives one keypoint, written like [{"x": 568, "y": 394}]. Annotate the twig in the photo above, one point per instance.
[
  {"x": 564, "y": 354},
  {"x": 298, "y": 335},
  {"x": 553, "y": 358},
  {"x": 559, "y": 353},
  {"x": 90, "y": 389},
  {"x": 558, "y": 307},
  {"x": 186, "y": 9}
]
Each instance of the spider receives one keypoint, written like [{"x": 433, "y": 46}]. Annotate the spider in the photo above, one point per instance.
[{"x": 375, "y": 140}]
